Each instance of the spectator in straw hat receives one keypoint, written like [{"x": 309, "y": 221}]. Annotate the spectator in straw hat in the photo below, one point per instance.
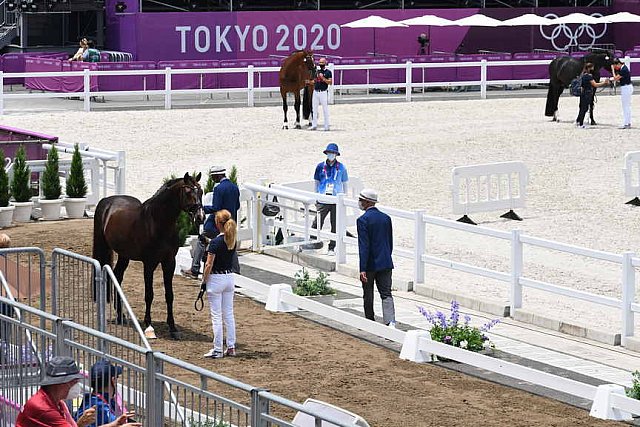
[
  {"x": 226, "y": 195},
  {"x": 375, "y": 245},
  {"x": 103, "y": 398}
]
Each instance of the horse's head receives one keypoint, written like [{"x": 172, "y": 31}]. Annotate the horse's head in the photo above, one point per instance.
[
  {"x": 307, "y": 59},
  {"x": 191, "y": 197},
  {"x": 600, "y": 59}
]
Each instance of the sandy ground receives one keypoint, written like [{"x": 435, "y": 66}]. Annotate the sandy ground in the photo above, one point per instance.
[
  {"x": 406, "y": 151},
  {"x": 297, "y": 358}
]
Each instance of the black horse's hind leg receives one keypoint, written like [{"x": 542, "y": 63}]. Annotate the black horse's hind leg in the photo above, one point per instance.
[
  {"x": 307, "y": 108},
  {"x": 591, "y": 105},
  {"x": 297, "y": 107},
  {"x": 149, "y": 268},
  {"x": 118, "y": 271},
  {"x": 285, "y": 108},
  {"x": 168, "y": 266}
]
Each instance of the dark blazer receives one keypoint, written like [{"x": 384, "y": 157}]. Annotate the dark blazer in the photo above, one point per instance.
[
  {"x": 375, "y": 240},
  {"x": 225, "y": 196}
]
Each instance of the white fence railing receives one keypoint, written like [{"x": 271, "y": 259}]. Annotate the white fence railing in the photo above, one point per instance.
[
  {"x": 420, "y": 257},
  {"x": 104, "y": 169},
  {"x": 417, "y": 346},
  {"x": 251, "y": 89}
]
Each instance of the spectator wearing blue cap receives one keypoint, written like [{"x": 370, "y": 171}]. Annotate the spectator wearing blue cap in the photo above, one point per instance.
[
  {"x": 103, "y": 397},
  {"x": 331, "y": 178}
]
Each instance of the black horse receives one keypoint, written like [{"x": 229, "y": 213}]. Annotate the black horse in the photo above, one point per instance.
[
  {"x": 296, "y": 72},
  {"x": 563, "y": 69},
  {"x": 146, "y": 232}
]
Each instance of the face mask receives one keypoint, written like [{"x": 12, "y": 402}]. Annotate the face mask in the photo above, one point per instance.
[
  {"x": 322, "y": 66},
  {"x": 361, "y": 205},
  {"x": 74, "y": 391},
  {"x": 331, "y": 157}
]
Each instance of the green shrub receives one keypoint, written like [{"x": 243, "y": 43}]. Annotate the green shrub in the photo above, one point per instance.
[
  {"x": 76, "y": 186},
  {"x": 4, "y": 184},
  {"x": 208, "y": 187},
  {"x": 21, "y": 176},
  {"x": 306, "y": 286},
  {"x": 634, "y": 391},
  {"x": 51, "y": 177},
  {"x": 233, "y": 175}
]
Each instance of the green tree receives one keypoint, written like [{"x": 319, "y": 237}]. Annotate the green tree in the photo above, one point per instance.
[
  {"x": 51, "y": 176},
  {"x": 4, "y": 184},
  {"x": 21, "y": 175},
  {"x": 76, "y": 186},
  {"x": 233, "y": 175}
]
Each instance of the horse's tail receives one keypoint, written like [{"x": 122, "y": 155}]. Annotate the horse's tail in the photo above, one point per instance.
[
  {"x": 306, "y": 102},
  {"x": 101, "y": 250}
]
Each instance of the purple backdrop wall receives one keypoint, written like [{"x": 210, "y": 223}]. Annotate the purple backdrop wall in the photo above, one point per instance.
[{"x": 231, "y": 35}]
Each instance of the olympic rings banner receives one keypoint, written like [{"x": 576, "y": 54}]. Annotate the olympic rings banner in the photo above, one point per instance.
[{"x": 241, "y": 35}]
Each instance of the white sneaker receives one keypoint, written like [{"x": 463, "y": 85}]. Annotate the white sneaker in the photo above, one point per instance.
[
  {"x": 331, "y": 252},
  {"x": 213, "y": 354},
  {"x": 392, "y": 325}
]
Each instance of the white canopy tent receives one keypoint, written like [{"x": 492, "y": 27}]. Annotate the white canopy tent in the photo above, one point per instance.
[
  {"x": 373, "y": 21},
  {"x": 528, "y": 19},
  {"x": 477, "y": 20},
  {"x": 579, "y": 18},
  {"x": 620, "y": 17}
]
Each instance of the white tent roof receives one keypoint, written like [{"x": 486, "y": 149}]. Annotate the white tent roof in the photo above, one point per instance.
[
  {"x": 578, "y": 18},
  {"x": 427, "y": 20},
  {"x": 373, "y": 21},
  {"x": 620, "y": 17},
  {"x": 477, "y": 20},
  {"x": 528, "y": 19}
]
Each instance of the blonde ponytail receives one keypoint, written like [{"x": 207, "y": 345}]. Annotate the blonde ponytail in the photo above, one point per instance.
[{"x": 229, "y": 228}]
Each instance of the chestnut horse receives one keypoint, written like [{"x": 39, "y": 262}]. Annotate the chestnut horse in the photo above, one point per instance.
[
  {"x": 563, "y": 69},
  {"x": 146, "y": 232},
  {"x": 297, "y": 69}
]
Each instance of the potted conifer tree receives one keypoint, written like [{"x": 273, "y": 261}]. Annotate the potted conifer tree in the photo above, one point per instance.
[
  {"x": 76, "y": 187},
  {"x": 51, "y": 204},
  {"x": 6, "y": 210},
  {"x": 20, "y": 187}
]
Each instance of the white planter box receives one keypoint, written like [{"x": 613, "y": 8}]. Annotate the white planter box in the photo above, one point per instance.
[
  {"x": 50, "y": 209},
  {"x": 75, "y": 207},
  {"x": 22, "y": 211},
  {"x": 6, "y": 215}
]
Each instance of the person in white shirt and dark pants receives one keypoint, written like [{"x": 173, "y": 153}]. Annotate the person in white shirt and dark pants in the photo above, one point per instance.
[
  {"x": 623, "y": 77},
  {"x": 320, "y": 94}
]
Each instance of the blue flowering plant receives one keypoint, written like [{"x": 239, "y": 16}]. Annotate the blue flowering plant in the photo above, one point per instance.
[{"x": 450, "y": 330}]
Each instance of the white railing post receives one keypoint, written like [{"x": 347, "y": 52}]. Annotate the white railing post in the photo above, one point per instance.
[
  {"x": 250, "y": 76},
  {"x": 628, "y": 295},
  {"x": 419, "y": 246},
  {"x": 627, "y": 62},
  {"x": 256, "y": 230},
  {"x": 516, "y": 272},
  {"x": 121, "y": 181},
  {"x": 167, "y": 88},
  {"x": 1, "y": 93},
  {"x": 331, "y": 94},
  {"x": 483, "y": 79},
  {"x": 341, "y": 230},
  {"x": 87, "y": 90},
  {"x": 407, "y": 81}
]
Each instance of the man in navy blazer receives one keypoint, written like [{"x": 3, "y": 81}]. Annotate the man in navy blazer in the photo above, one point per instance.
[
  {"x": 225, "y": 196},
  {"x": 375, "y": 244}
]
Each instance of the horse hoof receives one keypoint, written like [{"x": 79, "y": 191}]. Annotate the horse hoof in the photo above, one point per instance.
[
  {"x": 176, "y": 335},
  {"x": 298, "y": 127},
  {"x": 121, "y": 320},
  {"x": 150, "y": 333},
  {"x": 594, "y": 124},
  {"x": 285, "y": 127}
]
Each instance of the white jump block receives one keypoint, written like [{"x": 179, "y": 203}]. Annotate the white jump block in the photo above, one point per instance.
[
  {"x": 274, "y": 301},
  {"x": 602, "y": 407},
  {"x": 410, "y": 347}
]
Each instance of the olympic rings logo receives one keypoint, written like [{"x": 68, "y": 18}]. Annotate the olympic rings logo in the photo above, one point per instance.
[{"x": 562, "y": 33}]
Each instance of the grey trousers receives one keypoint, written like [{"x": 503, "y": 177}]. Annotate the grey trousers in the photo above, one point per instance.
[
  {"x": 199, "y": 251},
  {"x": 382, "y": 280}
]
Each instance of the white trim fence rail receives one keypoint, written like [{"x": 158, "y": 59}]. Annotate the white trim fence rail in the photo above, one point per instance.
[{"x": 251, "y": 89}]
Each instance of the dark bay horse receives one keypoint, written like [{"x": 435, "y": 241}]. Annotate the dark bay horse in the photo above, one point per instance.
[
  {"x": 297, "y": 69},
  {"x": 563, "y": 69},
  {"x": 146, "y": 232}
]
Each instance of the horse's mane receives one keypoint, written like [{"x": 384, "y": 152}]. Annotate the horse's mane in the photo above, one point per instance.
[{"x": 168, "y": 184}]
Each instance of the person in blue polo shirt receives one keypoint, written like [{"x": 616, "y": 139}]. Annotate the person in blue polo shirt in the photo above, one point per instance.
[
  {"x": 331, "y": 178},
  {"x": 320, "y": 95},
  {"x": 226, "y": 195},
  {"x": 623, "y": 76},
  {"x": 375, "y": 245}
]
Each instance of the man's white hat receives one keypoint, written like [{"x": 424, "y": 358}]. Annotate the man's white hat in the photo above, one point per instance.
[
  {"x": 217, "y": 170},
  {"x": 369, "y": 195}
]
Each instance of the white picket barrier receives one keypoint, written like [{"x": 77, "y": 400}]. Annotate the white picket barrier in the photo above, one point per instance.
[
  {"x": 631, "y": 173},
  {"x": 489, "y": 187}
]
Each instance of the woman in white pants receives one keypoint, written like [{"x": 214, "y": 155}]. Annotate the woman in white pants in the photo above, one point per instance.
[
  {"x": 623, "y": 77},
  {"x": 220, "y": 283}
]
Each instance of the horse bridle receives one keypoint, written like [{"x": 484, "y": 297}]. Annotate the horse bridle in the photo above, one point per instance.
[{"x": 193, "y": 208}]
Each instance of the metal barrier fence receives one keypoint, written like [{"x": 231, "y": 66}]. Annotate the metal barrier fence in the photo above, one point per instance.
[
  {"x": 420, "y": 257},
  {"x": 203, "y": 397},
  {"x": 251, "y": 89}
]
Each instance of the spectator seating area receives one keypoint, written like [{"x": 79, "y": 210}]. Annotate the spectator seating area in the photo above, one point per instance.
[{"x": 52, "y": 62}]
